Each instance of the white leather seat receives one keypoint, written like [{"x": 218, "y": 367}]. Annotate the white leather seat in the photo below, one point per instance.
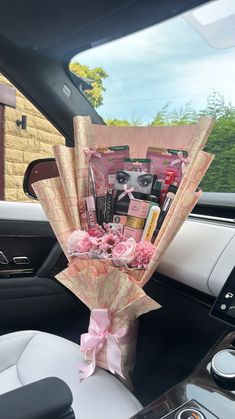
[{"x": 28, "y": 356}]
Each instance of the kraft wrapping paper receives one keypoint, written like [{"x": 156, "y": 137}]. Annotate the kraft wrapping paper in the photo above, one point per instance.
[
  {"x": 60, "y": 197},
  {"x": 83, "y": 137},
  {"x": 185, "y": 200},
  {"x": 104, "y": 287},
  {"x": 65, "y": 160},
  {"x": 97, "y": 282}
]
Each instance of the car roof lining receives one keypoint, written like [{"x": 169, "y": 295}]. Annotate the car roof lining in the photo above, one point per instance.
[
  {"x": 35, "y": 23},
  {"x": 38, "y": 39}
]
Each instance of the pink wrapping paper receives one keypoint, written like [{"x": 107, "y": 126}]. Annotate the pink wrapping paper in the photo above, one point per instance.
[
  {"x": 99, "y": 284},
  {"x": 103, "y": 287},
  {"x": 61, "y": 205}
]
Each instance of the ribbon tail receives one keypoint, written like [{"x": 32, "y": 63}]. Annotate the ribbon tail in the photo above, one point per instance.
[
  {"x": 87, "y": 370},
  {"x": 114, "y": 355},
  {"x": 175, "y": 162},
  {"x": 122, "y": 195}
]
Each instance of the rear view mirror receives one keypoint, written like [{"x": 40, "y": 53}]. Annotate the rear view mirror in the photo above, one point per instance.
[{"x": 38, "y": 170}]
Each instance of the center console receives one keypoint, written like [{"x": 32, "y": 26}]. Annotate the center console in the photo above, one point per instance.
[{"x": 209, "y": 392}]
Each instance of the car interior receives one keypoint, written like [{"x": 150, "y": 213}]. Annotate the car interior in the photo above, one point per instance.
[{"x": 185, "y": 356}]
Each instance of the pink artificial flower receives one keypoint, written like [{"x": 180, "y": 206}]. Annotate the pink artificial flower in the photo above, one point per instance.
[
  {"x": 143, "y": 254},
  {"x": 79, "y": 242},
  {"x": 124, "y": 251},
  {"x": 108, "y": 241},
  {"x": 96, "y": 231}
]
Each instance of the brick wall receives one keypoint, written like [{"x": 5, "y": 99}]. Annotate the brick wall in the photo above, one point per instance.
[{"x": 23, "y": 146}]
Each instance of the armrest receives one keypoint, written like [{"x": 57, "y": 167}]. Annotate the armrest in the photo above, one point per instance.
[{"x": 49, "y": 398}]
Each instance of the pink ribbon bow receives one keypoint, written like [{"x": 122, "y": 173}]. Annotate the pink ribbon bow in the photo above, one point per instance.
[
  {"x": 89, "y": 152},
  {"x": 183, "y": 160},
  {"x": 127, "y": 191},
  {"x": 99, "y": 334}
]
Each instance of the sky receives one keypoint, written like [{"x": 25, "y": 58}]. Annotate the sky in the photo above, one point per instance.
[{"x": 168, "y": 62}]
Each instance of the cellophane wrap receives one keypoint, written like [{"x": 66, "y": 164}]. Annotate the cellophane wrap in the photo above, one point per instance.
[{"x": 104, "y": 287}]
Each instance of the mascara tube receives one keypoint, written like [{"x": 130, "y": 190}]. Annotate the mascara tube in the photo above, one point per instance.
[
  {"x": 109, "y": 207},
  {"x": 166, "y": 205}
]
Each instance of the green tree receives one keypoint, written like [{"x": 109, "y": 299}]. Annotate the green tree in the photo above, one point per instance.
[
  {"x": 216, "y": 107},
  {"x": 96, "y": 75},
  {"x": 221, "y": 142},
  {"x": 221, "y": 175},
  {"x": 184, "y": 116},
  {"x": 118, "y": 122},
  {"x": 135, "y": 121},
  {"x": 162, "y": 117}
]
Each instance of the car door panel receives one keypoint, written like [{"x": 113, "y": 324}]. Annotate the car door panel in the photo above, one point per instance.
[
  {"x": 193, "y": 256},
  {"x": 30, "y": 296},
  {"x": 23, "y": 253}
]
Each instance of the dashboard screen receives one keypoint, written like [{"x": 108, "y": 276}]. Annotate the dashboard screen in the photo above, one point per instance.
[{"x": 224, "y": 306}]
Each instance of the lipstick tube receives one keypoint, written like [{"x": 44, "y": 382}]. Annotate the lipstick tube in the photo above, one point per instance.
[{"x": 170, "y": 177}]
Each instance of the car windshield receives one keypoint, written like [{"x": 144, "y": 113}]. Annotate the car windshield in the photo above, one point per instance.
[{"x": 170, "y": 74}]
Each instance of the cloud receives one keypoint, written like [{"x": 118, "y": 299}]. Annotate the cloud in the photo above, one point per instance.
[{"x": 167, "y": 62}]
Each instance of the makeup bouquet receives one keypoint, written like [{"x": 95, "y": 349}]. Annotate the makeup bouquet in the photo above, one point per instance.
[{"x": 121, "y": 196}]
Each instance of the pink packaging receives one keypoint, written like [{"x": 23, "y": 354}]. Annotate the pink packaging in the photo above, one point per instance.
[
  {"x": 137, "y": 165},
  {"x": 166, "y": 159},
  {"x": 91, "y": 212},
  {"x": 105, "y": 164},
  {"x": 132, "y": 232},
  {"x": 119, "y": 219},
  {"x": 83, "y": 214},
  {"x": 117, "y": 226},
  {"x": 138, "y": 208}
]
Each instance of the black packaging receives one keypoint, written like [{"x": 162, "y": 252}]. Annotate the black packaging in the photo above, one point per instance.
[
  {"x": 121, "y": 206},
  {"x": 108, "y": 217},
  {"x": 156, "y": 188},
  {"x": 101, "y": 209},
  {"x": 129, "y": 185}
]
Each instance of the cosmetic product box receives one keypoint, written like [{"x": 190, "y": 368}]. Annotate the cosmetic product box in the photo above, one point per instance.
[
  {"x": 137, "y": 165},
  {"x": 164, "y": 159},
  {"x": 138, "y": 208},
  {"x": 105, "y": 163},
  {"x": 129, "y": 185},
  {"x": 117, "y": 226},
  {"x": 132, "y": 233},
  {"x": 135, "y": 222},
  {"x": 119, "y": 219}
]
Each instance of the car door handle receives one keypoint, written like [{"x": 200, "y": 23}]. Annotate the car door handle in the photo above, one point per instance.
[
  {"x": 21, "y": 260},
  {"x": 3, "y": 259}
]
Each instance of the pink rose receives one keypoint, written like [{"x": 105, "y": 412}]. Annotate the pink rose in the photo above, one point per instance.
[
  {"x": 79, "y": 242},
  {"x": 143, "y": 254},
  {"x": 125, "y": 251}
]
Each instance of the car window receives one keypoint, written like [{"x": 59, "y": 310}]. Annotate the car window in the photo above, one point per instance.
[
  {"x": 25, "y": 135},
  {"x": 170, "y": 74}
]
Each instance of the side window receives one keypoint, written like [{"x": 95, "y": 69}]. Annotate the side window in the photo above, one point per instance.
[
  {"x": 25, "y": 135},
  {"x": 158, "y": 79}
]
